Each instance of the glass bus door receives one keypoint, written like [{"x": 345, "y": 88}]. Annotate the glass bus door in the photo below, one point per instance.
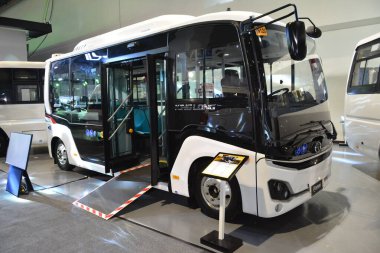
[
  {"x": 118, "y": 120},
  {"x": 157, "y": 90},
  {"x": 135, "y": 107}
]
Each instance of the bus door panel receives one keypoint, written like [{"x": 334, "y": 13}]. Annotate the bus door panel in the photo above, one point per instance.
[
  {"x": 157, "y": 83},
  {"x": 118, "y": 122}
]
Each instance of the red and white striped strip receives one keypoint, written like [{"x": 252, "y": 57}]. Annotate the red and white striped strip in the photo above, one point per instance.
[
  {"x": 126, "y": 203},
  {"x": 89, "y": 209},
  {"x": 135, "y": 168}
]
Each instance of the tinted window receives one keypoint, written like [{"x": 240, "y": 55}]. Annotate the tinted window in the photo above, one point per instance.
[
  {"x": 26, "y": 93},
  {"x": 211, "y": 65},
  {"x": 5, "y": 86},
  {"x": 19, "y": 86},
  {"x": 365, "y": 71},
  {"x": 138, "y": 46},
  {"x": 25, "y": 74},
  {"x": 75, "y": 89},
  {"x": 62, "y": 100},
  {"x": 210, "y": 78},
  {"x": 85, "y": 81}
]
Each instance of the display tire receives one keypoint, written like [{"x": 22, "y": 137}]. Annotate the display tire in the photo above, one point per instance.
[
  {"x": 233, "y": 205},
  {"x": 24, "y": 188},
  {"x": 60, "y": 154},
  {"x": 3, "y": 145}
]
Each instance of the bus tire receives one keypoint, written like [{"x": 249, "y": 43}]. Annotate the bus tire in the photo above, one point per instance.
[
  {"x": 207, "y": 196},
  {"x": 60, "y": 154},
  {"x": 3, "y": 145}
]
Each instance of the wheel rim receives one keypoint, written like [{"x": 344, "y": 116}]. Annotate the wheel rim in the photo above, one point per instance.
[
  {"x": 61, "y": 154},
  {"x": 210, "y": 192}
]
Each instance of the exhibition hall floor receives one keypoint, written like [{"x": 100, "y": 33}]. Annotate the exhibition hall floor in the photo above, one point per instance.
[{"x": 342, "y": 218}]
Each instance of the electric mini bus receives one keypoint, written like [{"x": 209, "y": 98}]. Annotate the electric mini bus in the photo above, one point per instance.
[
  {"x": 21, "y": 101},
  {"x": 362, "y": 114},
  {"x": 180, "y": 89}
]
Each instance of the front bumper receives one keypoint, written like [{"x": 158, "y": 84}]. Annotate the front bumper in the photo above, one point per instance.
[{"x": 299, "y": 183}]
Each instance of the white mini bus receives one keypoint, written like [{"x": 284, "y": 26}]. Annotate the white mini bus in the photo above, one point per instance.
[
  {"x": 180, "y": 89},
  {"x": 21, "y": 101},
  {"x": 362, "y": 104}
]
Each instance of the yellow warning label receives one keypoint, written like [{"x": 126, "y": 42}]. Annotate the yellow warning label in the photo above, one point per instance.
[
  {"x": 175, "y": 177},
  {"x": 262, "y": 31}
]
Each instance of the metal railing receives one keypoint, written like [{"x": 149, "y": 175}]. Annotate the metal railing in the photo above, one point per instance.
[
  {"x": 121, "y": 123},
  {"x": 119, "y": 107}
]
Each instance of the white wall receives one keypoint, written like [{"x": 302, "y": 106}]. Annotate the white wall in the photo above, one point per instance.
[
  {"x": 12, "y": 45},
  {"x": 344, "y": 22}
]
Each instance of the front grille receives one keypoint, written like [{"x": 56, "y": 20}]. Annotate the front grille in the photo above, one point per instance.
[{"x": 306, "y": 164}]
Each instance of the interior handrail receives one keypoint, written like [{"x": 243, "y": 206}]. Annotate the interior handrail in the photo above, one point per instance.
[
  {"x": 118, "y": 108},
  {"x": 121, "y": 123}
]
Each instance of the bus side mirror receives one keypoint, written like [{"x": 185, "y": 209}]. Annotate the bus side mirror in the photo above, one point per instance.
[
  {"x": 296, "y": 38},
  {"x": 313, "y": 32}
]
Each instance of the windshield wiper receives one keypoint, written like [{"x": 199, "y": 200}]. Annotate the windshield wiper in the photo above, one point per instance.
[{"x": 329, "y": 135}]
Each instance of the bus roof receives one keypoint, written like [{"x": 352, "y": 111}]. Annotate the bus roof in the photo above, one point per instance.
[
  {"x": 156, "y": 25},
  {"x": 22, "y": 64},
  {"x": 368, "y": 39}
]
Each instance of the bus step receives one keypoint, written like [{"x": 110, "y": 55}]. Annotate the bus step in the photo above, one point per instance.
[{"x": 122, "y": 164}]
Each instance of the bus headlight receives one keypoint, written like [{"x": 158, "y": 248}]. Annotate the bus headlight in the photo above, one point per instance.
[
  {"x": 301, "y": 150},
  {"x": 279, "y": 190}
]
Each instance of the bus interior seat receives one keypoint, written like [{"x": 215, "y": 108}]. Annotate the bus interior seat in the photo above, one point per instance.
[
  {"x": 141, "y": 120},
  {"x": 231, "y": 78},
  {"x": 230, "y": 82}
]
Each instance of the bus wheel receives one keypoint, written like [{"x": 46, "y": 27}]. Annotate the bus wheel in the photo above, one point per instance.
[
  {"x": 3, "y": 145},
  {"x": 207, "y": 195},
  {"x": 60, "y": 154}
]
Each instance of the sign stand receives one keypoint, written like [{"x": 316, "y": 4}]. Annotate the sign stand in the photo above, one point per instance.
[
  {"x": 17, "y": 158},
  {"x": 223, "y": 167}
]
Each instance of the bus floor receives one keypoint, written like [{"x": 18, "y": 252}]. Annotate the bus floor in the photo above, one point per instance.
[{"x": 342, "y": 218}]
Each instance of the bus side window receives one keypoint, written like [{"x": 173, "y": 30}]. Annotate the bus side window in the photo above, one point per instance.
[
  {"x": 189, "y": 69},
  {"x": 85, "y": 81},
  {"x": 26, "y": 85},
  {"x": 60, "y": 89},
  {"x": 210, "y": 75},
  {"x": 365, "y": 74}
]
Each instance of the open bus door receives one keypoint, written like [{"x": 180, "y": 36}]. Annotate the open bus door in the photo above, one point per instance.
[
  {"x": 157, "y": 93},
  {"x": 129, "y": 120},
  {"x": 117, "y": 100}
]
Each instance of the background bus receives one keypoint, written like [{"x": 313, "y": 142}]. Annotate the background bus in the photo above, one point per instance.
[
  {"x": 176, "y": 90},
  {"x": 21, "y": 101},
  {"x": 362, "y": 104}
]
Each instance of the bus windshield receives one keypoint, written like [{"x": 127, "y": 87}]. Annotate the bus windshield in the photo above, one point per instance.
[{"x": 291, "y": 85}]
